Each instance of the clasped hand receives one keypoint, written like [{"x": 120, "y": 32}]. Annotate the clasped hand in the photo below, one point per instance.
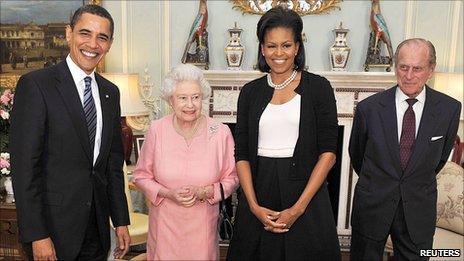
[
  {"x": 274, "y": 221},
  {"x": 187, "y": 195},
  {"x": 184, "y": 196}
]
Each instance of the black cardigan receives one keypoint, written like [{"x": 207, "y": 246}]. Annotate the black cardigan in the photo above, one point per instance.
[{"x": 318, "y": 128}]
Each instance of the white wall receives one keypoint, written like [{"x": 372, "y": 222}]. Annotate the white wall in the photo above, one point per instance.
[
  {"x": 152, "y": 34},
  {"x": 318, "y": 29}
]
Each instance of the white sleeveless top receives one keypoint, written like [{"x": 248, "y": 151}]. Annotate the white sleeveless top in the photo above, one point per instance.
[{"x": 279, "y": 129}]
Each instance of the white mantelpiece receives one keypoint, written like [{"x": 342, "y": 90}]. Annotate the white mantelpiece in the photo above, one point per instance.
[{"x": 349, "y": 88}]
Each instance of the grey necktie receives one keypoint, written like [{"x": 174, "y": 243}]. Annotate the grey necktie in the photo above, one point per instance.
[{"x": 90, "y": 112}]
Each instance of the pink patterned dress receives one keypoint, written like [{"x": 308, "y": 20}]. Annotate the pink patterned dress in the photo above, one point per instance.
[{"x": 177, "y": 232}]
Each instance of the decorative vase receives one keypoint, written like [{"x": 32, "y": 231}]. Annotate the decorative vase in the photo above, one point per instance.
[
  {"x": 234, "y": 49},
  {"x": 339, "y": 52},
  {"x": 8, "y": 185}
]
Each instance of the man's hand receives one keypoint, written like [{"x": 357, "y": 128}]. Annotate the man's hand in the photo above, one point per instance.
[
  {"x": 122, "y": 246},
  {"x": 43, "y": 249}
]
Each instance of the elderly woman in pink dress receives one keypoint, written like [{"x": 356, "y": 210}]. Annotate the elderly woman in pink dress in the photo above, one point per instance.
[{"x": 184, "y": 159}]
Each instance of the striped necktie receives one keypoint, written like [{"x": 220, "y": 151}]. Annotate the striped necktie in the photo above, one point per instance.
[{"x": 90, "y": 112}]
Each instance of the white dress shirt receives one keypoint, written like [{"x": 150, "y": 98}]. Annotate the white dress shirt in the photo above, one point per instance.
[
  {"x": 78, "y": 76},
  {"x": 402, "y": 105}
]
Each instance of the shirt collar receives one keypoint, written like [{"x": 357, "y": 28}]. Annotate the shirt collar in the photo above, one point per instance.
[
  {"x": 401, "y": 97},
  {"x": 77, "y": 73}
]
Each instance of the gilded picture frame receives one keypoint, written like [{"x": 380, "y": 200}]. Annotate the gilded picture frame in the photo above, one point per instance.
[
  {"x": 36, "y": 41},
  {"x": 302, "y": 7}
]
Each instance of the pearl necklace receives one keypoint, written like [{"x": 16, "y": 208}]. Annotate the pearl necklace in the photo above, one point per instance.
[{"x": 282, "y": 85}]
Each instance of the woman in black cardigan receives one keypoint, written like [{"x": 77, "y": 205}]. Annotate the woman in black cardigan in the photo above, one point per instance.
[{"x": 286, "y": 138}]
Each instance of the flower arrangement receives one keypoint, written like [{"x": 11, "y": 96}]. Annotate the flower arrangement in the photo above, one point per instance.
[
  {"x": 5, "y": 163},
  {"x": 6, "y": 104}
]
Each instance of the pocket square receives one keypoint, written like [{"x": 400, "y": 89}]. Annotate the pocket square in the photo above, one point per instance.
[{"x": 436, "y": 138}]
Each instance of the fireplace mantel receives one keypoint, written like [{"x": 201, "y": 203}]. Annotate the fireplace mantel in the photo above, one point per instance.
[{"x": 349, "y": 89}]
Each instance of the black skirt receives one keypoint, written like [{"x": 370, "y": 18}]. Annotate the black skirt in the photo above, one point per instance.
[{"x": 313, "y": 236}]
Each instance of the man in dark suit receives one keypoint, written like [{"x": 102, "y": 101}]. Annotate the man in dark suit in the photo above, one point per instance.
[
  {"x": 66, "y": 150},
  {"x": 400, "y": 140}
]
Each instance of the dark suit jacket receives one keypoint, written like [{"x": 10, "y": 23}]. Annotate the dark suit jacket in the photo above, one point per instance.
[
  {"x": 374, "y": 151},
  {"x": 51, "y": 160}
]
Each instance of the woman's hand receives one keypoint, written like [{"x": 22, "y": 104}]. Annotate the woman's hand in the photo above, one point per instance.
[
  {"x": 268, "y": 218},
  {"x": 183, "y": 196},
  {"x": 202, "y": 193},
  {"x": 289, "y": 216}
]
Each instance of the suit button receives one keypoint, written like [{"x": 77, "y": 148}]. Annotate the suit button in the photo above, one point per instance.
[
  {"x": 88, "y": 204},
  {"x": 293, "y": 164}
]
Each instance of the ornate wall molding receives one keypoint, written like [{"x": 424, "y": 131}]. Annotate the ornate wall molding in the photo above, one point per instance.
[
  {"x": 447, "y": 39},
  {"x": 166, "y": 42},
  {"x": 139, "y": 124},
  {"x": 124, "y": 36},
  {"x": 456, "y": 10},
  {"x": 411, "y": 17},
  {"x": 165, "y": 45},
  {"x": 226, "y": 86},
  {"x": 301, "y": 7}
]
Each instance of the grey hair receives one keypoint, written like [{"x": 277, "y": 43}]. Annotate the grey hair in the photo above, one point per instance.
[
  {"x": 432, "y": 52},
  {"x": 181, "y": 73}
]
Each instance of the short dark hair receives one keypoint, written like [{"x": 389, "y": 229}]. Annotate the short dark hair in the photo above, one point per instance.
[
  {"x": 281, "y": 17},
  {"x": 432, "y": 52},
  {"x": 92, "y": 9}
]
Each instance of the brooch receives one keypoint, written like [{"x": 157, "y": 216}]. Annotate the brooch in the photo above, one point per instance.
[{"x": 213, "y": 129}]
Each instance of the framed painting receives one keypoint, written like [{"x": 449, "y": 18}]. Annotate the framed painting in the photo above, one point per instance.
[
  {"x": 138, "y": 142},
  {"x": 32, "y": 36}
]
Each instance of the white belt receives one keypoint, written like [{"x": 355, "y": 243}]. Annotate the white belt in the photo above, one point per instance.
[{"x": 276, "y": 153}]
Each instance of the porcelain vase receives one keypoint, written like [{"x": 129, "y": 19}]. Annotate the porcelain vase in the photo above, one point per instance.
[
  {"x": 339, "y": 52},
  {"x": 8, "y": 185},
  {"x": 234, "y": 49}
]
